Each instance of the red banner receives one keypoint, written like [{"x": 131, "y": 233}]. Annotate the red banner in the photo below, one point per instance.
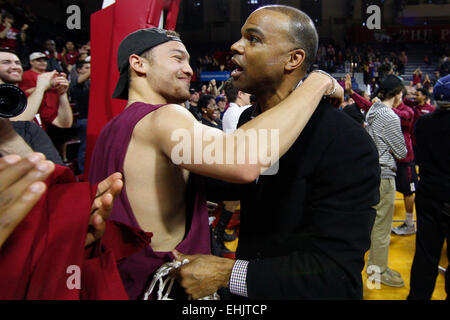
[{"x": 108, "y": 28}]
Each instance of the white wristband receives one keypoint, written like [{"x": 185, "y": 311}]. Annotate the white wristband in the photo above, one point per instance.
[{"x": 332, "y": 79}]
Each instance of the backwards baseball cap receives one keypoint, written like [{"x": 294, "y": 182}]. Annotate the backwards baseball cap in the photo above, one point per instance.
[
  {"x": 37, "y": 55},
  {"x": 391, "y": 82},
  {"x": 441, "y": 92},
  {"x": 136, "y": 43}
]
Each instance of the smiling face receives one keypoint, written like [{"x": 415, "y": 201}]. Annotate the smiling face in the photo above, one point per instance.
[
  {"x": 261, "y": 53},
  {"x": 168, "y": 71},
  {"x": 10, "y": 68},
  {"x": 211, "y": 108}
]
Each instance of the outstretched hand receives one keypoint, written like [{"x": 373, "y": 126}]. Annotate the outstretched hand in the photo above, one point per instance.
[
  {"x": 107, "y": 191},
  {"x": 21, "y": 186}
]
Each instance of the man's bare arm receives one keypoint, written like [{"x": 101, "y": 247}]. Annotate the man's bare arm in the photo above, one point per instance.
[
  {"x": 34, "y": 100},
  {"x": 171, "y": 123},
  {"x": 84, "y": 77},
  {"x": 64, "y": 119}
]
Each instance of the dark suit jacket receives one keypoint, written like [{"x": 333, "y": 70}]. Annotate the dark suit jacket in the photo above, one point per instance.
[{"x": 306, "y": 229}]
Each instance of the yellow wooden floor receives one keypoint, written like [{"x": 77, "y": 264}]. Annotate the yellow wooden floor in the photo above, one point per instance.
[{"x": 401, "y": 254}]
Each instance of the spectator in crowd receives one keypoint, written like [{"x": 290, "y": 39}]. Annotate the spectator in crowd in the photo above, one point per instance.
[
  {"x": 11, "y": 72},
  {"x": 204, "y": 89},
  {"x": 238, "y": 102},
  {"x": 432, "y": 134},
  {"x": 420, "y": 107},
  {"x": 406, "y": 175},
  {"x": 417, "y": 76},
  {"x": 383, "y": 125},
  {"x": 426, "y": 83},
  {"x": 79, "y": 89},
  {"x": 50, "y": 101},
  {"x": 207, "y": 104},
  {"x": 435, "y": 77},
  {"x": 54, "y": 58},
  {"x": 221, "y": 102},
  {"x": 69, "y": 55},
  {"x": 10, "y": 35},
  {"x": 403, "y": 62},
  {"x": 193, "y": 104},
  {"x": 212, "y": 88}
]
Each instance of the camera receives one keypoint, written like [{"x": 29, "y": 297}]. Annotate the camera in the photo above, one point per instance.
[{"x": 13, "y": 101}]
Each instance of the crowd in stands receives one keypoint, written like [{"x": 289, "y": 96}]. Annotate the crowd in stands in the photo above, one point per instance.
[{"x": 60, "y": 68}]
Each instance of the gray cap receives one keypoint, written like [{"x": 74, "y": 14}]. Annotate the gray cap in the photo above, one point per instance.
[{"x": 37, "y": 55}]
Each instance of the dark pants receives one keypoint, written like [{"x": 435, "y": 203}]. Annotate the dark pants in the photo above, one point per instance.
[{"x": 433, "y": 220}]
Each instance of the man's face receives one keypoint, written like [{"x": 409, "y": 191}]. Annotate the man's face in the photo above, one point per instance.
[
  {"x": 10, "y": 68},
  {"x": 245, "y": 97},
  {"x": 70, "y": 46},
  {"x": 39, "y": 65},
  {"x": 261, "y": 53},
  {"x": 420, "y": 98},
  {"x": 84, "y": 69},
  {"x": 194, "y": 97},
  {"x": 169, "y": 73},
  {"x": 50, "y": 45},
  {"x": 221, "y": 105}
]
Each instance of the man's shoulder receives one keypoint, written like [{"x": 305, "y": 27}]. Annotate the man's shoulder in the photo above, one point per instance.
[
  {"x": 330, "y": 118},
  {"x": 232, "y": 110},
  {"x": 330, "y": 126}
]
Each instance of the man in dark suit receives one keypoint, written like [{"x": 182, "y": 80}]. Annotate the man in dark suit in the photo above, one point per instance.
[{"x": 305, "y": 227}]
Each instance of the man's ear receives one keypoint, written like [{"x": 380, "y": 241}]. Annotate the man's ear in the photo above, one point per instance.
[
  {"x": 137, "y": 64},
  {"x": 295, "y": 59}
]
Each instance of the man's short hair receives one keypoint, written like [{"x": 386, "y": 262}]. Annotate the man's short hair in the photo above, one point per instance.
[
  {"x": 302, "y": 32},
  {"x": 9, "y": 51},
  {"x": 424, "y": 92},
  {"x": 80, "y": 63},
  {"x": 230, "y": 90},
  {"x": 389, "y": 87},
  {"x": 121, "y": 91}
]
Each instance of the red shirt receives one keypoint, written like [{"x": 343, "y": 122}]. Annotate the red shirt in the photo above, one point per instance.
[
  {"x": 10, "y": 40},
  {"x": 71, "y": 57},
  {"x": 419, "y": 110},
  {"x": 35, "y": 259},
  {"x": 50, "y": 102}
]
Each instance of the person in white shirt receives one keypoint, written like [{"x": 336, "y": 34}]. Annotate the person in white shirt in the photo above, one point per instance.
[{"x": 239, "y": 101}]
